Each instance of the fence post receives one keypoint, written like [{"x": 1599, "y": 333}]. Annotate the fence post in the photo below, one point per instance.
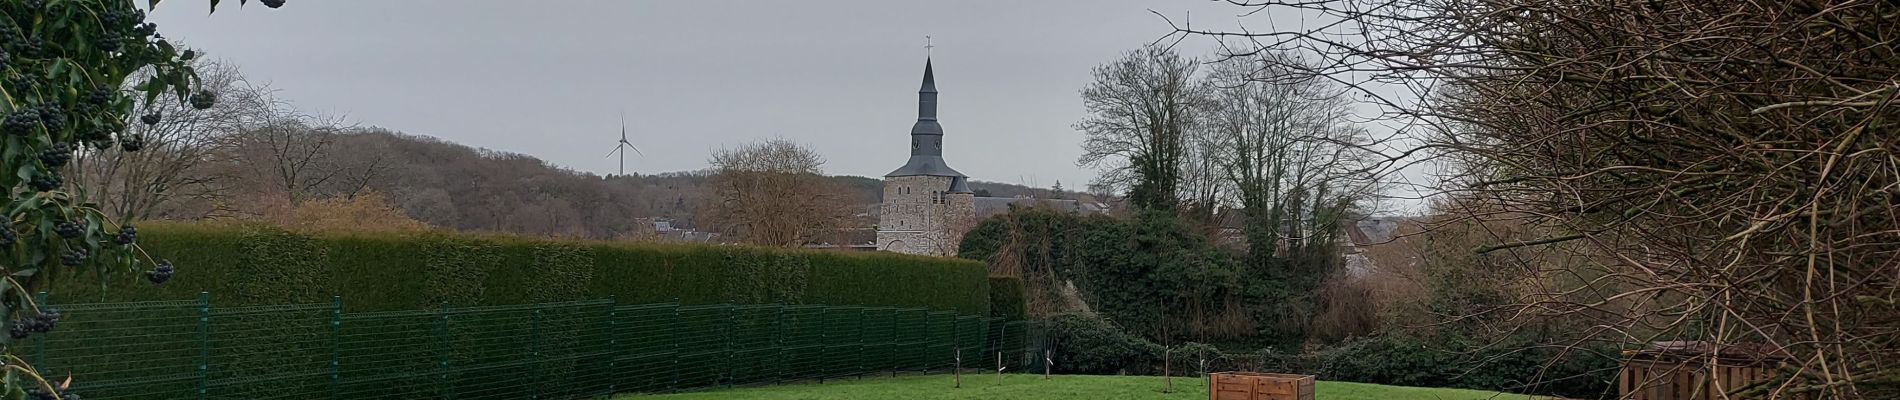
[
  {"x": 928, "y": 341},
  {"x": 957, "y": 369},
  {"x": 39, "y": 343},
  {"x": 895, "y": 343},
  {"x": 824, "y": 341},
  {"x": 1167, "y": 370},
  {"x": 442, "y": 352},
  {"x": 675, "y": 385},
  {"x": 861, "y": 333},
  {"x": 613, "y": 344},
  {"x": 336, "y": 347},
  {"x": 732, "y": 317},
  {"x": 204, "y": 344},
  {"x": 778, "y": 343},
  {"x": 534, "y": 351},
  {"x": 1002, "y": 339}
]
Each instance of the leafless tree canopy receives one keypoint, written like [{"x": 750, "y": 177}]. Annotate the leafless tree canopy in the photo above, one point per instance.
[
  {"x": 774, "y": 193},
  {"x": 1286, "y": 149},
  {"x": 1729, "y": 164},
  {"x": 1141, "y": 108},
  {"x": 172, "y": 172}
]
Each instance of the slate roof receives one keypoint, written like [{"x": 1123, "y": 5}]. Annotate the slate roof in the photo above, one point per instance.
[
  {"x": 926, "y": 155},
  {"x": 987, "y": 206}
]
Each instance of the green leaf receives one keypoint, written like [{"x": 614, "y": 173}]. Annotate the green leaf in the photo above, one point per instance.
[
  {"x": 152, "y": 88},
  {"x": 28, "y": 203},
  {"x": 25, "y": 273},
  {"x": 94, "y": 230}
]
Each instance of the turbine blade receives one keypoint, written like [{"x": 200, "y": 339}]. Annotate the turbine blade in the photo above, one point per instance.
[{"x": 610, "y": 153}]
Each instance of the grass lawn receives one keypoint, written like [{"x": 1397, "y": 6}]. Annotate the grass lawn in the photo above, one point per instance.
[{"x": 1033, "y": 387}]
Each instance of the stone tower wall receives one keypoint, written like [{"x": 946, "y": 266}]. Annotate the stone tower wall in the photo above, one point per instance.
[{"x": 911, "y": 221}]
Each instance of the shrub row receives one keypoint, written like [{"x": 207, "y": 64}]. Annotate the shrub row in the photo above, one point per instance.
[
  {"x": 258, "y": 265},
  {"x": 1086, "y": 344}
]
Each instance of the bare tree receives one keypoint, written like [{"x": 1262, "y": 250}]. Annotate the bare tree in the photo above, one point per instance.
[
  {"x": 774, "y": 193},
  {"x": 1141, "y": 107},
  {"x": 1287, "y": 149},
  {"x": 169, "y": 177},
  {"x": 1723, "y": 166},
  {"x": 298, "y": 156}
]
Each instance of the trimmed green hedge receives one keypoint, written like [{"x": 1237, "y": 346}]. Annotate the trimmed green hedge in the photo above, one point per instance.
[
  {"x": 1006, "y": 298},
  {"x": 256, "y": 265}
]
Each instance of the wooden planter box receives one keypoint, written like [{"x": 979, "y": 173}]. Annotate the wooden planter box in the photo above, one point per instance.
[
  {"x": 1683, "y": 371},
  {"x": 1259, "y": 386}
]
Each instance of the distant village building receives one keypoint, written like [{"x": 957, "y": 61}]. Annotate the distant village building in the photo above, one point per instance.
[
  {"x": 988, "y": 206},
  {"x": 663, "y": 230}
]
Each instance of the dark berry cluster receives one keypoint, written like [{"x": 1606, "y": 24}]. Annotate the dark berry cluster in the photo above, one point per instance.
[
  {"x": 46, "y": 182},
  {"x": 73, "y": 257},
  {"x": 30, "y": 48},
  {"x": 37, "y": 394},
  {"x": 101, "y": 96},
  {"x": 94, "y": 135},
  {"x": 8, "y": 236},
  {"x": 53, "y": 118},
  {"x": 150, "y": 119},
  {"x": 69, "y": 229},
  {"x": 133, "y": 142},
  {"x": 160, "y": 274},
  {"x": 21, "y": 122},
  {"x": 41, "y": 322},
  {"x": 272, "y": 3},
  {"x": 146, "y": 29},
  {"x": 203, "y": 99},
  {"x": 57, "y": 155},
  {"x": 126, "y": 236}
]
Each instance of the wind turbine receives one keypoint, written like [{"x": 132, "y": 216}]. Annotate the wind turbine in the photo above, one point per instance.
[{"x": 623, "y": 146}]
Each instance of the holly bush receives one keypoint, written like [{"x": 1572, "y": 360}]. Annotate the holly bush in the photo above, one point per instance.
[{"x": 69, "y": 71}]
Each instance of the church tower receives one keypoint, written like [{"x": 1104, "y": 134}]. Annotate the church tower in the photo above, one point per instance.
[{"x": 927, "y": 205}]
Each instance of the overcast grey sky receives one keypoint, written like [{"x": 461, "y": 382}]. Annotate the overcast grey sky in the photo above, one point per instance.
[{"x": 549, "y": 78}]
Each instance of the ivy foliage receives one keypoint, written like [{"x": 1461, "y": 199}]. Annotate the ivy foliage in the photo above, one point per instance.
[
  {"x": 70, "y": 71},
  {"x": 1146, "y": 274}
]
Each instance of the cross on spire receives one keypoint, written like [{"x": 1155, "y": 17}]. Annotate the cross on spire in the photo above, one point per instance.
[{"x": 927, "y": 46}]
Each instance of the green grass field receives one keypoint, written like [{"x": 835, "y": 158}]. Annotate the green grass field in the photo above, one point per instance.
[{"x": 1033, "y": 387}]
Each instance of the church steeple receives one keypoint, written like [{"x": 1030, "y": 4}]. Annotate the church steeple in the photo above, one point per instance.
[
  {"x": 926, "y": 136},
  {"x": 927, "y": 115}
]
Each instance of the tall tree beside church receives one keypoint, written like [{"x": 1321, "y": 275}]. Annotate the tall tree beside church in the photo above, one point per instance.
[
  {"x": 1295, "y": 167},
  {"x": 774, "y": 193},
  {"x": 1141, "y": 107}
]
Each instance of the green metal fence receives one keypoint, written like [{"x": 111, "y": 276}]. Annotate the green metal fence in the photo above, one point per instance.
[{"x": 567, "y": 350}]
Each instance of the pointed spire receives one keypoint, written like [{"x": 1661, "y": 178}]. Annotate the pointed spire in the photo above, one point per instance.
[
  {"x": 927, "y": 104},
  {"x": 926, "y": 136},
  {"x": 930, "y": 78}
]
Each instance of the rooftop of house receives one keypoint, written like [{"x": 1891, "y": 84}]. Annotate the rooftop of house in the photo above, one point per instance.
[{"x": 987, "y": 206}]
